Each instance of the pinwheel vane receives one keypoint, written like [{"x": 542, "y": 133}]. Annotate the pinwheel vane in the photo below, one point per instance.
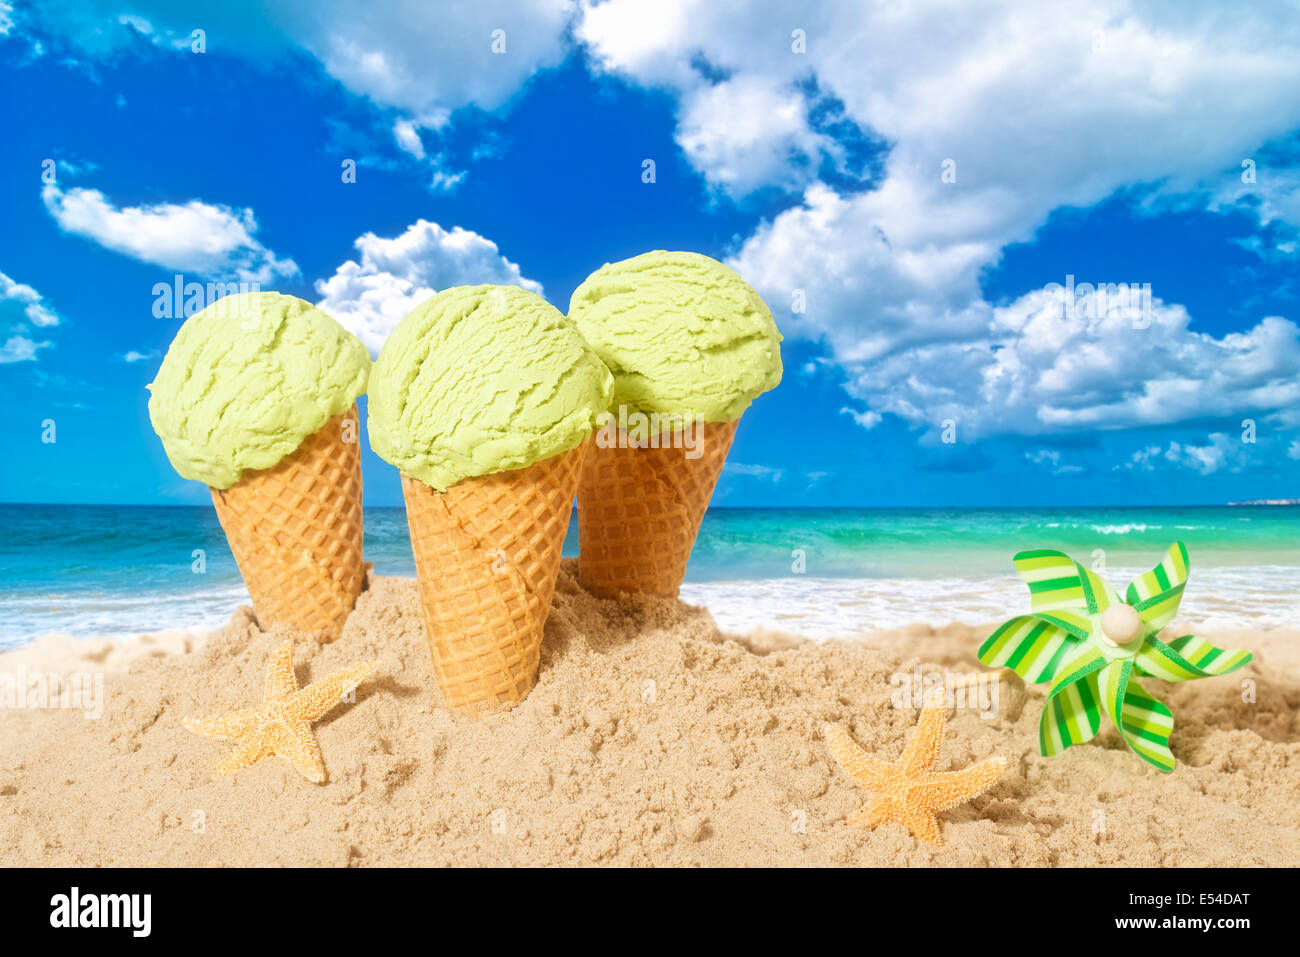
[{"x": 1089, "y": 643}]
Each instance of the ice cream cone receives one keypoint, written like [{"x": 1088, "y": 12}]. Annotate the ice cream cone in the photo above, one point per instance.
[
  {"x": 688, "y": 342},
  {"x": 487, "y": 552},
  {"x": 296, "y": 530},
  {"x": 639, "y": 510}
]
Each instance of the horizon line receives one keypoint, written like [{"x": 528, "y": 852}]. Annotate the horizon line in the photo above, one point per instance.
[{"x": 1278, "y": 503}]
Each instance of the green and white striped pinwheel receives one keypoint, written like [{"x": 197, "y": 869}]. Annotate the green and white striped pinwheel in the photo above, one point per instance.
[{"x": 1090, "y": 644}]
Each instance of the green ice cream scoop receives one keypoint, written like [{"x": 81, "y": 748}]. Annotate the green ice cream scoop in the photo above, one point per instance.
[
  {"x": 683, "y": 334},
  {"x": 482, "y": 379},
  {"x": 247, "y": 379}
]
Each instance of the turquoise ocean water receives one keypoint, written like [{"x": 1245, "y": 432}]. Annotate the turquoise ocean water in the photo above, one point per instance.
[{"x": 121, "y": 570}]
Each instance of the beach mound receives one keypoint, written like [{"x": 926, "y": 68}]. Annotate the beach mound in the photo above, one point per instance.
[{"x": 649, "y": 739}]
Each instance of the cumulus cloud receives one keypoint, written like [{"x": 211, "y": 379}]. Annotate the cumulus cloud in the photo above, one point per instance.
[
  {"x": 1219, "y": 452},
  {"x": 418, "y": 59},
  {"x": 1008, "y": 90},
  {"x": 1272, "y": 194},
  {"x": 371, "y": 294},
  {"x": 20, "y": 349},
  {"x": 1038, "y": 368},
  {"x": 1203, "y": 458},
  {"x": 749, "y": 103},
  {"x": 408, "y": 139},
  {"x": 422, "y": 58},
  {"x": 206, "y": 239},
  {"x": 749, "y": 132},
  {"x": 991, "y": 114},
  {"x": 866, "y": 292},
  {"x": 867, "y": 419},
  {"x": 1007, "y": 93},
  {"x": 20, "y": 300},
  {"x": 21, "y": 308},
  {"x": 1143, "y": 459}
]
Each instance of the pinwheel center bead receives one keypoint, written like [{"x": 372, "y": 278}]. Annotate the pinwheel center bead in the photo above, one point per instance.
[{"x": 1120, "y": 625}]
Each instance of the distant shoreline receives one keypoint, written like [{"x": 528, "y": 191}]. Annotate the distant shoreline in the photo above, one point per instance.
[{"x": 1268, "y": 501}]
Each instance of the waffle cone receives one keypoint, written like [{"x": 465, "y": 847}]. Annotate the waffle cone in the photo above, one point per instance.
[
  {"x": 639, "y": 510},
  {"x": 296, "y": 529},
  {"x": 487, "y": 552}
]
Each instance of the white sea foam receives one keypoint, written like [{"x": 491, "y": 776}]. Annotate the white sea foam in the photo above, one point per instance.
[
  {"x": 116, "y": 615},
  {"x": 1217, "y": 599}
]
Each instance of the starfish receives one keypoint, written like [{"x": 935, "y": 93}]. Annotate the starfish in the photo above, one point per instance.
[
  {"x": 911, "y": 792},
  {"x": 282, "y": 725}
]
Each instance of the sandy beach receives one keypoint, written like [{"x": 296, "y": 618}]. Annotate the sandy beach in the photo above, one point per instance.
[{"x": 650, "y": 739}]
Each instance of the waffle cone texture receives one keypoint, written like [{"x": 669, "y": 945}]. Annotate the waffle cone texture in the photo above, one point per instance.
[
  {"x": 639, "y": 510},
  {"x": 487, "y": 553},
  {"x": 296, "y": 531}
]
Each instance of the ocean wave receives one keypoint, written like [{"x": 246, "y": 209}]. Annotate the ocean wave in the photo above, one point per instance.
[
  {"x": 1124, "y": 528},
  {"x": 93, "y": 571},
  {"x": 1218, "y": 599},
  {"x": 116, "y": 615}
]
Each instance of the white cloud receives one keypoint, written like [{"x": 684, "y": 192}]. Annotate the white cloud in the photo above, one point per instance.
[
  {"x": 1276, "y": 191},
  {"x": 1050, "y": 459},
  {"x": 408, "y": 138},
  {"x": 746, "y": 120},
  {"x": 413, "y": 59},
  {"x": 1274, "y": 198},
  {"x": 1034, "y": 118},
  {"x": 867, "y": 419},
  {"x": 17, "y": 299},
  {"x": 20, "y": 349},
  {"x": 22, "y": 307},
  {"x": 648, "y": 39},
  {"x": 421, "y": 57},
  {"x": 1293, "y": 451},
  {"x": 138, "y": 24},
  {"x": 407, "y": 135},
  {"x": 6, "y": 17},
  {"x": 1205, "y": 459},
  {"x": 1009, "y": 90},
  {"x": 418, "y": 58},
  {"x": 77, "y": 167},
  {"x": 441, "y": 179},
  {"x": 134, "y": 356},
  {"x": 765, "y": 472},
  {"x": 1143, "y": 460},
  {"x": 1039, "y": 106},
  {"x": 747, "y": 133},
  {"x": 371, "y": 296},
  {"x": 867, "y": 293},
  {"x": 1036, "y": 370},
  {"x": 202, "y": 238}
]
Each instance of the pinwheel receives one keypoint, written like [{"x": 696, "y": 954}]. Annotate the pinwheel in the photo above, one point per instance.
[{"x": 1090, "y": 644}]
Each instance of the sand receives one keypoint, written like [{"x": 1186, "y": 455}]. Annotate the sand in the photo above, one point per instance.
[{"x": 650, "y": 739}]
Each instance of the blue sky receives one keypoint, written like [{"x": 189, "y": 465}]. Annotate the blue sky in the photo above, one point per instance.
[{"x": 918, "y": 181}]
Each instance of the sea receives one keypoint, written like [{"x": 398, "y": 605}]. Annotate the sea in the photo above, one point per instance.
[{"x": 93, "y": 571}]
